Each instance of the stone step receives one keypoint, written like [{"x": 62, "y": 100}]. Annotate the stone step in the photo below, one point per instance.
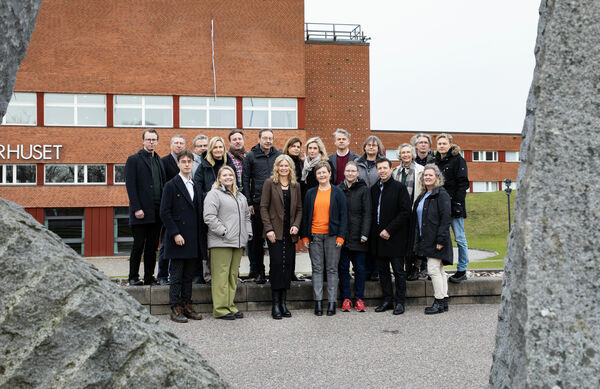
[{"x": 253, "y": 297}]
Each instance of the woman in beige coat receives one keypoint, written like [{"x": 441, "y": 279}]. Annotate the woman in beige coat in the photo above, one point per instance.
[
  {"x": 281, "y": 213},
  {"x": 228, "y": 219}
]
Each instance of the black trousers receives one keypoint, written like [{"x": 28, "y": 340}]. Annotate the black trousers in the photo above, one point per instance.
[
  {"x": 258, "y": 242},
  {"x": 145, "y": 241},
  {"x": 385, "y": 278},
  {"x": 281, "y": 266},
  {"x": 180, "y": 291}
]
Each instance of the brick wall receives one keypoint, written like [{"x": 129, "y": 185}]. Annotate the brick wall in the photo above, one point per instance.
[
  {"x": 164, "y": 47},
  {"x": 337, "y": 91}
]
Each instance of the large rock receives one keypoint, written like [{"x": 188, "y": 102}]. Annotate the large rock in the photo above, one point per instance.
[
  {"x": 17, "y": 20},
  {"x": 64, "y": 324},
  {"x": 549, "y": 321}
]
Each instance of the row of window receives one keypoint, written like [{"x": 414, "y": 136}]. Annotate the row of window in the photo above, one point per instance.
[
  {"x": 89, "y": 110},
  {"x": 60, "y": 174},
  {"x": 69, "y": 224},
  {"x": 478, "y": 156}
]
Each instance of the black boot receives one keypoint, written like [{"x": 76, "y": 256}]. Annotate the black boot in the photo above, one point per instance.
[
  {"x": 261, "y": 278},
  {"x": 446, "y": 300},
  {"x": 275, "y": 310},
  {"x": 331, "y": 309},
  {"x": 319, "y": 308},
  {"x": 284, "y": 311},
  {"x": 437, "y": 307}
]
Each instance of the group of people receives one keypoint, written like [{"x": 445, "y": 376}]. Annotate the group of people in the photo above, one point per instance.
[{"x": 207, "y": 205}]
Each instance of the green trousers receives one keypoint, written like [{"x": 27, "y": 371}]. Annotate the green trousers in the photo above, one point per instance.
[{"x": 224, "y": 268}]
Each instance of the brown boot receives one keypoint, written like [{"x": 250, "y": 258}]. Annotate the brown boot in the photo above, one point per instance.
[
  {"x": 189, "y": 312},
  {"x": 177, "y": 314}
]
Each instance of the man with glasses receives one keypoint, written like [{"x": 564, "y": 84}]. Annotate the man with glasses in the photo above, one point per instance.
[
  {"x": 144, "y": 179},
  {"x": 422, "y": 143}
]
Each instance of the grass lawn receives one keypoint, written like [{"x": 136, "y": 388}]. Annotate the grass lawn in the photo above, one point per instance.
[{"x": 486, "y": 226}]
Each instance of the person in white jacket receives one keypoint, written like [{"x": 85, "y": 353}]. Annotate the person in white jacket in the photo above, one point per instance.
[{"x": 227, "y": 216}]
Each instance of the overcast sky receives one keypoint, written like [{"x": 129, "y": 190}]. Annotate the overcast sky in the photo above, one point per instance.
[{"x": 452, "y": 65}]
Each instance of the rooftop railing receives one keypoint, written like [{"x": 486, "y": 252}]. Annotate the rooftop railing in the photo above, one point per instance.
[{"x": 334, "y": 32}]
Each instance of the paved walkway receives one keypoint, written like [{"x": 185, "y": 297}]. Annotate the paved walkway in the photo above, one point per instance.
[
  {"x": 119, "y": 266},
  {"x": 349, "y": 350}
]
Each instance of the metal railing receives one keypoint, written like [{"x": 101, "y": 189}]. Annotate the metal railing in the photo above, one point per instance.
[{"x": 334, "y": 32}]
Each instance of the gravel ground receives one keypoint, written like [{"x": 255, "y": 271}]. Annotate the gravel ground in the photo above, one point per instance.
[{"x": 349, "y": 350}]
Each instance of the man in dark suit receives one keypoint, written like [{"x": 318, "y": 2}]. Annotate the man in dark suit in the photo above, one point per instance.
[
  {"x": 177, "y": 145},
  {"x": 181, "y": 213},
  {"x": 391, "y": 208},
  {"x": 144, "y": 180}
]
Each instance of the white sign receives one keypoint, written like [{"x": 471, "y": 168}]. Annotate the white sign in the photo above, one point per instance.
[{"x": 26, "y": 152}]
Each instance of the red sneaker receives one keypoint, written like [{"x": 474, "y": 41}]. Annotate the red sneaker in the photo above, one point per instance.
[
  {"x": 360, "y": 306},
  {"x": 346, "y": 305}
]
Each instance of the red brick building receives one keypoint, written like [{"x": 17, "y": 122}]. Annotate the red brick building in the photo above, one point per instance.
[{"x": 98, "y": 72}]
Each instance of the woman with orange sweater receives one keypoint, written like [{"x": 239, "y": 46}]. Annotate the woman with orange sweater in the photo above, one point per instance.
[{"x": 324, "y": 223}]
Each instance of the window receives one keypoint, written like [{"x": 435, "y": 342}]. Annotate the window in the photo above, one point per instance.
[
  {"x": 485, "y": 186},
  {"x": 75, "y": 174},
  {"x": 21, "y": 110},
  {"x": 270, "y": 113},
  {"x": 18, "y": 174},
  {"x": 68, "y": 223},
  {"x": 119, "y": 174},
  {"x": 392, "y": 155},
  {"x": 512, "y": 156},
  {"x": 485, "y": 156},
  {"x": 142, "y": 111},
  {"x": 207, "y": 112},
  {"x": 74, "y": 110},
  {"x": 123, "y": 238}
]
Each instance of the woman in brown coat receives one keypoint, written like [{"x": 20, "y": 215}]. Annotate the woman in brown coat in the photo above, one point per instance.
[{"x": 281, "y": 213}]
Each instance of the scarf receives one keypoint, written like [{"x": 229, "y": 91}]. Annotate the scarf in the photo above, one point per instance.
[{"x": 309, "y": 164}]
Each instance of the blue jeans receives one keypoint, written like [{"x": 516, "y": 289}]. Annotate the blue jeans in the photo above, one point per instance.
[
  {"x": 358, "y": 263},
  {"x": 458, "y": 228}
]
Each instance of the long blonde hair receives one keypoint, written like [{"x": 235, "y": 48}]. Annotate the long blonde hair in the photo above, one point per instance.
[
  {"x": 211, "y": 145},
  {"x": 320, "y": 145},
  {"x": 438, "y": 182},
  {"x": 275, "y": 175},
  {"x": 217, "y": 183}
]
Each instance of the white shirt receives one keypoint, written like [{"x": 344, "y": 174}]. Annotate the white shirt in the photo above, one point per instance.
[{"x": 189, "y": 185}]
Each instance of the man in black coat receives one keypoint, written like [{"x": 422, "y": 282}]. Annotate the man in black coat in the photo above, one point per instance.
[
  {"x": 144, "y": 180},
  {"x": 391, "y": 208},
  {"x": 181, "y": 213},
  {"x": 456, "y": 177},
  {"x": 177, "y": 145},
  {"x": 422, "y": 143},
  {"x": 258, "y": 166}
]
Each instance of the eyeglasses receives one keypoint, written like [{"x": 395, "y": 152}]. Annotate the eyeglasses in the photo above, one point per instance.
[{"x": 150, "y": 140}]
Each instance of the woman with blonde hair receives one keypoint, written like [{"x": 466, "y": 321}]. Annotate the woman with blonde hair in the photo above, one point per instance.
[
  {"x": 315, "y": 153},
  {"x": 212, "y": 160},
  {"x": 227, "y": 216},
  {"x": 281, "y": 212},
  {"x": 431, "y": 229}
]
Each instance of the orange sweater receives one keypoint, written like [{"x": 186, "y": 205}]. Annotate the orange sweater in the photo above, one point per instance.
[{"x": 320, "y": 219}]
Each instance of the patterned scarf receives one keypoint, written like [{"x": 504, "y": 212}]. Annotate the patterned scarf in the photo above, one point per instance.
[{"x": 309, "y": 164}]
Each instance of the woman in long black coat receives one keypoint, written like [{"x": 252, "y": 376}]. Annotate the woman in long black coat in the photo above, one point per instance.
[{"x": 431, "y": 223}]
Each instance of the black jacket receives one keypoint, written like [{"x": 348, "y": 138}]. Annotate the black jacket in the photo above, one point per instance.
[
  {"x": 140, "y": 186},
  {"x": 435, "y": 225},
  {"x": 338, "y": 215},
  {"x": 456, "y": 177},
  {"x": 171, "y": 168},
  {"x": 257, "y": 168},
  {"x": 429, "y": 158},
  {"x": 333, "y": 162},
  {"x": 181, "y": 215},
  {"x": 206, "y": 175},
  {"x": 394, "y": 216},
  {"x": 358, "y": 204}
]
